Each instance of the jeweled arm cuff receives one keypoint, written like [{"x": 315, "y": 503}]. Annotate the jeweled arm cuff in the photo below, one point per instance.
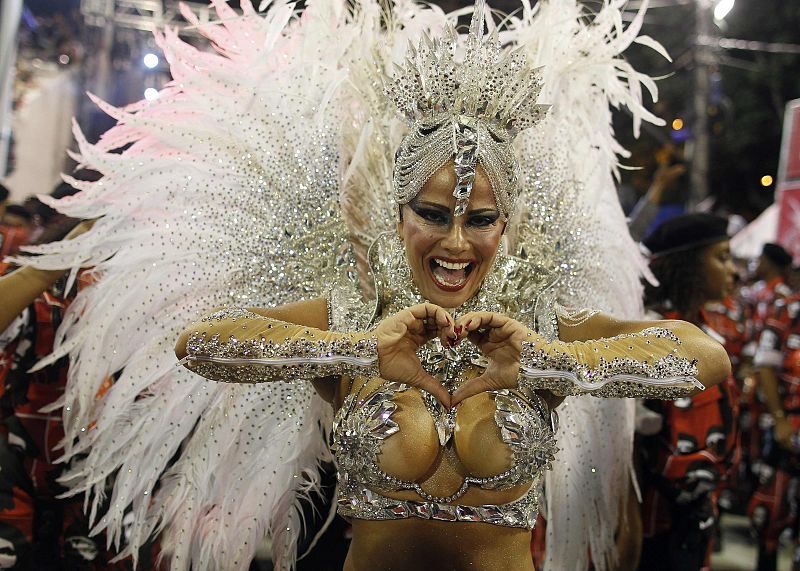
[
  {"x": 648, "y": 364},
  {"x": 238, "y": 346}
]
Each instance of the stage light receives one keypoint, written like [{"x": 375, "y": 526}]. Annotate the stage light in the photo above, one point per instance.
[
  {"x": 722, "y": 9},
  {"x": 766, "y": 180},
  {"x": 677, "y": 124},
  {"x": 150, "y": 60},
  {"x": 151, "y": 94}
]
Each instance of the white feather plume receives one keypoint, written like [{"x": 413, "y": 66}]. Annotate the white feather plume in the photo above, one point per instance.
[{"x": 234, "y": 188}]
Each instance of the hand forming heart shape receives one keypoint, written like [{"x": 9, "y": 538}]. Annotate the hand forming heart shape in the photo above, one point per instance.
[{"x": 499, "y": 338}]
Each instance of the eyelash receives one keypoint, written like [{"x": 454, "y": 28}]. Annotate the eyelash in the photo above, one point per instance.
[
  {"x": 435, "y": 217},
  {"x": 432, "y": 216},
  {"x": 483, "y": 221}
]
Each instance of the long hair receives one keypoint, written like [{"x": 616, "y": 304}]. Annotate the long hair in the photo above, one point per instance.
[{"x": 681, "y": 281}]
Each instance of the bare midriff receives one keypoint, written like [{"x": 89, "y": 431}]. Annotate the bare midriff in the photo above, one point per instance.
[{"x": 421, "y": 545}]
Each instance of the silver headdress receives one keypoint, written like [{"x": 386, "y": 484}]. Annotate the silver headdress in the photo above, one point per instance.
[{"x": 468, "y": 111}]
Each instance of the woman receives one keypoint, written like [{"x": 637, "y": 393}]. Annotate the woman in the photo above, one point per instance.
[
  {"x": 685, "y": 462},
  {"x": 246, "y": 183},
  {"x": 433, "y": 468}
]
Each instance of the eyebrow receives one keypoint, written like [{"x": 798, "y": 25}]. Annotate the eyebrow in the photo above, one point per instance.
[
  {"x": 440, "y": 207},
  {"x": 424, "y": 203}
]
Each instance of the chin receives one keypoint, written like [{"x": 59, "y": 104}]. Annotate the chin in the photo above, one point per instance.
[{"x": 448, "y": 300}]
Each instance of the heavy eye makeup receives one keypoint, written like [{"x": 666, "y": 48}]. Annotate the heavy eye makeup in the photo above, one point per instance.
[
  {"x": 431, "y": 213},
  {"x": 440, "y": 215}
]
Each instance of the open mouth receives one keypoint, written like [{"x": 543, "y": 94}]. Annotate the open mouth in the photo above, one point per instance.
[{"x": 450, "y": 275}]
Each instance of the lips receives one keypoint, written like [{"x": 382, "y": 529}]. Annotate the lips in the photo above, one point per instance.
[{"x": 450, "y": 275}]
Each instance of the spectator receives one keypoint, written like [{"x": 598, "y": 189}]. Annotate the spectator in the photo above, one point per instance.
[
  {"x": 683, "y": 462},
  {"x": 774, "y": 505}
]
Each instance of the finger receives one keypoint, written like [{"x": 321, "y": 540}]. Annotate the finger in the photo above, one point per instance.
[
  {"x": 424, "y": 311},
  {"x": 481, "y": 319},
  {"x": 419, "y": 319},
  {"x": 448, "y": 338},
  {"x": 428, "y": 383},
  {"x": 437, "y": 320},
  {"x": 443, "y": 319},
  {"x": 470, "y": 388},
  {"x": 446, "y": 327}
]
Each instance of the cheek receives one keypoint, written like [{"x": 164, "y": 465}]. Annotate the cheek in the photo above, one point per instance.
[
  {"x": 487, "y": 243},
  {"x": 418, "y": 238},
  {"x": 716, "y": 276}
]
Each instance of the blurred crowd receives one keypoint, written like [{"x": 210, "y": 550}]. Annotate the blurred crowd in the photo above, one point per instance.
[
  {"x": 38, "y": 529},
  {"x": 734, "y": 447}
]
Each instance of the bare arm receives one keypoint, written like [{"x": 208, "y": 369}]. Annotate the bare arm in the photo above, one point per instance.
[
  {"x": 20, "y": 288},
  {"x": 768, "y": 362},
  {"x": 768, "y": 383}
]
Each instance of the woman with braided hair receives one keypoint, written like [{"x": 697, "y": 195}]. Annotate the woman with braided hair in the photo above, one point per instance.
[{"x": 685, "y": 462}]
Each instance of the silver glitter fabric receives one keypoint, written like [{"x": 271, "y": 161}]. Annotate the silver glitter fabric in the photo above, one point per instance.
[
  {"x": 277, "y": 351},
  {"x": 364, "y": 422},
  {"x": 364, "y": 503},
  {"x": 468, "y": 110},
  {"x": 357, "y": 434},
  {"x": 647, "y": 364}
]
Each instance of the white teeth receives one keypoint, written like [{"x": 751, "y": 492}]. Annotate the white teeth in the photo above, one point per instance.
[{"x": 451, "y": 265}]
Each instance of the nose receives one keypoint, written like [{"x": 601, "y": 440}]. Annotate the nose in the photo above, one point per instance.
[{"x": 455, "y": 241}]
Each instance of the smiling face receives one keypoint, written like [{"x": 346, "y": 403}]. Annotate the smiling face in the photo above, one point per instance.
[{"x": 450, "y": 256}]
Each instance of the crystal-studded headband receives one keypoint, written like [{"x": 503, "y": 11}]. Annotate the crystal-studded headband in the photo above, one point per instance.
[{"x": 468, "y": 111}]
